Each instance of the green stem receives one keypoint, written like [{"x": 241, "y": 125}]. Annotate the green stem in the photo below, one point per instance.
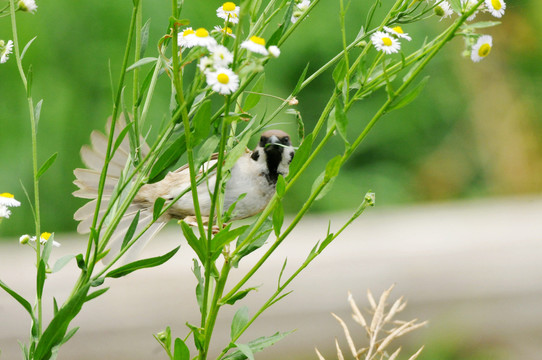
[
  {"x": 93, "y": 239},
  {"x": 177, "y": 82},
  {"x": 30, "y": 102}
]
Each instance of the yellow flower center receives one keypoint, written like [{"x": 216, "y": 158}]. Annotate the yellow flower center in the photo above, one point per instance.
[
  {"x": 188, "y": 32},
  {"x": 223, "y": 78},
  {"x": 258, "y": 40},
  {"x": 398, "y": 30},
  {"x": 386, "y": 41},
  {"x": 202, "y": 33},
  {"x": 228, "y": 30},
  {"x": 228, "y": 6},
  {"x": 484, "y": 50},
  {"x": 497, "y": 5},
  {"x": 45, "y": 235},
  {"x": 7, "y": 195}
]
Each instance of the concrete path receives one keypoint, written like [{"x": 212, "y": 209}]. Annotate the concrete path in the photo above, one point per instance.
[{"x": 473, "y": 269}]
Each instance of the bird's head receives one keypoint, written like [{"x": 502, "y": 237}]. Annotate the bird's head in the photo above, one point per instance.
[{"x": 276, "y": 151}]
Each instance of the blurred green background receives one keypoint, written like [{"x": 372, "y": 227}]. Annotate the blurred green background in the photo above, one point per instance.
[{"x": 473, "y": 132}]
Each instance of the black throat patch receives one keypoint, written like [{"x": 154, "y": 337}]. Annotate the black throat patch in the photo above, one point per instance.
[{"x": 273, "y": 158}]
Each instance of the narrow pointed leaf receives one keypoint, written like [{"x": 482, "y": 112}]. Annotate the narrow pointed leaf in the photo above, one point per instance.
[
  {"x": 413, "y": 94},
  {"x": 141, "y": 62},
  {"x": 158, "y": 205},
  {"x": 131, "y": 231},
  {"x": 141, "y": 264},
  {"x": 240, "y": 320},
  {"x": 21, "y": 300},
  {"x": 27, "y": 46},
  {"x": 46, "y": 165},
  {"x": 60, "y": 263}
]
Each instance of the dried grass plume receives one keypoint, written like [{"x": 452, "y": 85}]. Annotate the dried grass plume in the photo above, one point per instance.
[{"x": 381, "y": 330}]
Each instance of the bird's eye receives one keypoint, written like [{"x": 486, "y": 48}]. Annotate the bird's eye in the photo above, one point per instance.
[
  {"x": 263, "y": 139},
  {"x": 285, "y": 140}
]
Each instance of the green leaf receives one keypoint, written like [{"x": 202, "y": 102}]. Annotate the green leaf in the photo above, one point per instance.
[
  {"x": 172, "y": 153},
  {"x": 141, "y": 264},
  {"x": 240, "y": 320},
  {"x": 278, "y": 219},
  {"x": 225, "y": 236},
  {"x": 181, "y": 351},
  {"x": 339, "y": 73},
  {"x": 199, "y": 338},
  {"x": 141, "y": 62},
  {"x": 257, "y": 240},
  {"x": 253, "y": 99},
  {"x": 121, "y": 137},
  {"x": 480, "y": 24},
  {"x": 46, "y": 165},
  {"x": 300, "y": 80},
  {"x": 282, "y": 271},
  {"x": 281, "y": 186},
  {"x": 27, "y": 46},
  {"x": 54, "y": 334},
  {"x": 196, "y": 245},
  {"x": 332, "y": 168},
  {"x": 40, "y": 279},
  {"x": 46, "y": 252},
  {"x": 301, "y": 156},
  {"x": 21, "y": 300},
  {"x": 81, "y": 262},
  {"x": 325, "y": 243},
  {"x": 237, "y": 296},
  {"x": 60, "y": 263},
  {"x": 37, "y": 112},
  {"x": 144, "y": 38},
  {"x": 245, "y": 350},
  {"x": 201, "y": 283},
  {"x": 131, "y": 231},
  {"x": 257, "y": 345},
  {"x": 202, "y": 122},
  {"x": 95, "y": 294},
  {"x": 408, "y": 98},
  {"x": 207, "y": 149},
  {"x": 157, "y": 209},
  {"x": 340, "y": 118},
  {"x": 236, "y": 153}
]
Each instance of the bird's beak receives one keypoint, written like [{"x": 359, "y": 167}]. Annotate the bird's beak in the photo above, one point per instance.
[{"x": 274, "y": 140}]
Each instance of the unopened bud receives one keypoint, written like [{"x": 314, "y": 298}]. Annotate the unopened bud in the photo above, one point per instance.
[
  {"x": 370, "y": 198},
  {"x": 24, "y": 239},
  {"x": 293, "y": 101},
  {"x": 438, "y": 11}
]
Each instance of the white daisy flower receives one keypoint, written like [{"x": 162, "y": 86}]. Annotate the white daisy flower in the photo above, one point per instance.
[
  {"x": 300, "y": 9},
  {"x": 4, "y": 212},
  {"x": 222, "y": 57},
  {"x": 385, "y": 42},
  {"x": 205, "y": 64},
  {"x": 43, "y": 239},
  {"x": 223, "y": 81},
  {"x": 229, "y": 12},
  {"x": 466, "y": 5},
  {"x": 443, "y": 9},
  {"x": 5, "y": 50},
  {"x": 304, "y": 5},
  {"x": 203, "y": 38},
  {"x": 28, "y": 6},
  {"x": 7, "y": 199},
  {"x": 225, "y": 30},
  {"x": 274, "y": 51},
  {"x": 496, "y": 7},
  {"x": 255, "y": 44},
  {"x": 397, "y": 31},
  {"x": 187, "y": 38},
  {"x": 482, "y": 48}
]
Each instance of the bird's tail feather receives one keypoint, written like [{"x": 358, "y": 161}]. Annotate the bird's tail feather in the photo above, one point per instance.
[{"x": 87, "y": 180}]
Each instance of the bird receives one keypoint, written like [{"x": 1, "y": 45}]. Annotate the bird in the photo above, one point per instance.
[{"x": 250, "y": 186}]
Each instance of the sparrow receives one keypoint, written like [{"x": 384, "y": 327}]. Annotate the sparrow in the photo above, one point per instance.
[{"x": 251, "y": 184}]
